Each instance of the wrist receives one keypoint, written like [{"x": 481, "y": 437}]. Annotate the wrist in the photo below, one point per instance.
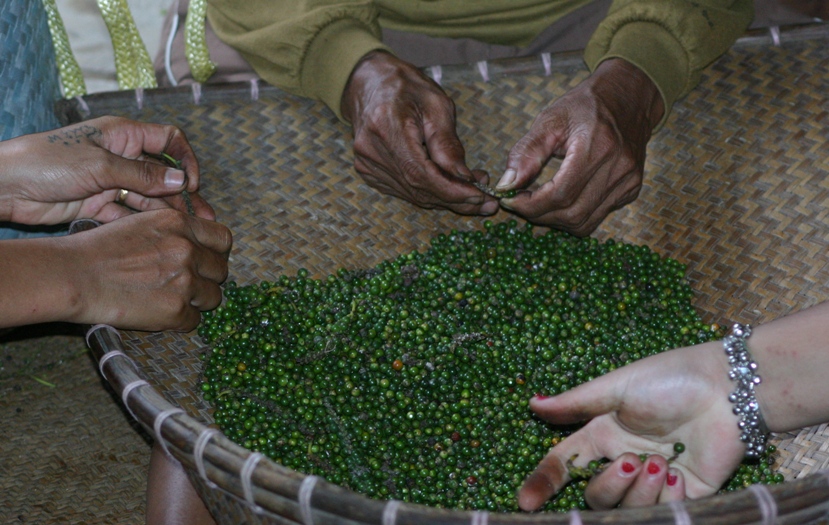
[
  {"x": 367, "y": 69},
  {"x": 44, "y": 291},
  {"x": 744, "y": 373},
  {"x": 627, "y": 78}
]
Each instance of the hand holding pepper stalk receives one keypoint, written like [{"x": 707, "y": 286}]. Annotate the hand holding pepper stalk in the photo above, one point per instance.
[{"x": 149, "y": 266}]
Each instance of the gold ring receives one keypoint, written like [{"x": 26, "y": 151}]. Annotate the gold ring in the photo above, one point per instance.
[{"x": 121, "y": 196}]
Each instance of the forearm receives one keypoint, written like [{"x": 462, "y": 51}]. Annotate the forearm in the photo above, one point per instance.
[
  {"x": 672, "y": 41},
  {"x": 792, "y": 354},
  {"x": 37, "y": 284},
  {"x": 310, "y": 52}
]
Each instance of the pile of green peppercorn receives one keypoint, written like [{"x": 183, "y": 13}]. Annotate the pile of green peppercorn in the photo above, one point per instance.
[{"x": 411, "y": 380}]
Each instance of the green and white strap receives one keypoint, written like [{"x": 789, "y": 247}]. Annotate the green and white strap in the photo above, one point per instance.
[
  {"x": 195, "y": 41},
  {"x": 133, "y": 66},
  {"x": 70, "y": 72}
]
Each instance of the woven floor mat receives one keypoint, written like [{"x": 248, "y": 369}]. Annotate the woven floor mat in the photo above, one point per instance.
[
  {"x": 70, "y": 453},
  {"x": 736, "y": 186}
]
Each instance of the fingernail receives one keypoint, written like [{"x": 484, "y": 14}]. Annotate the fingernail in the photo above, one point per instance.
[
  {"x": 671, "y": 479},
  {"x": 541, "y": 397},
  {"x": 174, "y": 178},
  {"x": 628, "y": 467},
  {"x": 489, "y": 208},
  {"x": 653, "y": 468},
  {"x": 506, "y": 179}
]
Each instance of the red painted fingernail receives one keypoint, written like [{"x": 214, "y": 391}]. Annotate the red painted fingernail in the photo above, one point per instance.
[
  {"x": 653, "y": 468},
  {"x": 628, "y": 467},
  {"x": 541, "y": 397},
  {"x": 671, "y": 480}
]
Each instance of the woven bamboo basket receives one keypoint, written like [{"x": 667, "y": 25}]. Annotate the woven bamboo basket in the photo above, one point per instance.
[{"x": 736, "y": 187}]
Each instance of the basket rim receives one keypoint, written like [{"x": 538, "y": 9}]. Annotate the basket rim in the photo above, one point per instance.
[{"x": 267, "y": 487}]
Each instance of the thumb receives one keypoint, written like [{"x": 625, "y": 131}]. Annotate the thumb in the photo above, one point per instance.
[
  {"x": 147, "y": 177},
  {"x": 528, "y": 156}
]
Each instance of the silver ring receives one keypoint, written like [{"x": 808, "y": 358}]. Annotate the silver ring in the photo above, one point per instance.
[{"x": 121, "y": 196}]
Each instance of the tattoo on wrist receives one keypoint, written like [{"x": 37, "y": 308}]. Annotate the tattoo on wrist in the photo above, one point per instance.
[{"x": 74, "y": 135}]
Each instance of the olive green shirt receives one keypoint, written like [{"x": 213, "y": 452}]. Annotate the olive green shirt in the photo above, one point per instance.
[{"x": 310, "y": 47}]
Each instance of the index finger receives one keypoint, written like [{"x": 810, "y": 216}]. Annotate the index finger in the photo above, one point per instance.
[
  {"x": 444, "y": 146},
  {"x": 423, "y": 174},
  {"x": 212, "y": 235}
]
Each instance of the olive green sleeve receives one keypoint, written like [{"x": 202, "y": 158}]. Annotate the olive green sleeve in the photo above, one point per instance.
[
  {"x": 672, "y": 41},
  {"x": 307, "y": 48}
]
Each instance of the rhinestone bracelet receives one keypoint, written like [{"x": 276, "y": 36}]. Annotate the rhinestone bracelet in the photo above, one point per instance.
[{"x": 753, "y": 429}]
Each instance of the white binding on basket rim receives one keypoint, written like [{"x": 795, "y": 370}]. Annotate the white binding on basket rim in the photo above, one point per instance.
[
  {"x": 245, "y": 475},
  {"x": 198, "y": 453},
  {"x": 681, "y": 516},
  {"x": 390, "y": 512},
  {"x": 483, "y": 69},
  {"x": 768, "y": 507},
  {"x": 84, "y": 106},
  {"x": 437, "y": 73},
  {"x": 139, "y": 97},
  {"x": 95, "y": 328},
  {"x": 547, "y": 61},
  {"x": 126, "y": 394},
  {"x": 480, "y": 517},
  {"x": 254, "y": 89},
  {"x": 196, "y": 89},
  {"x": 306, "y": 490},
  {"x": 159, "y": 420},
  {"x": 575, "y": 517},
  {"x": 106, "y": 357}
]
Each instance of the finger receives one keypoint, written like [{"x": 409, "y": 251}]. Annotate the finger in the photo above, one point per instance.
[
  {"x": 528, "y": 156},
  {"x": 584, "y": 216},
  {"x": 444, "y": 147},
  {"x": 424, "y": 184},
  {"x": 648, "y": 485},
  {"x": 110, "y": 212},
  {"x": 208, "y": 295},
  {"x": 563, "y": 191},
  {"x": 139, "y": 202},
  {"x": 432, "y": 183},
  {"x": 189, "y": 319},
  {"x": 212, "y": 235},
  {"x": 607, "y": 489},
  {"x": 144, "y": 177},
  {"x": 552, "y": 472},
  {"x": 212, "y": 265},
  {"x": 201, "y": 208},
  {"x": 131, "y": 139},
  {"x": 674, "y": 489},
  {"x": 547, "y": 479}
]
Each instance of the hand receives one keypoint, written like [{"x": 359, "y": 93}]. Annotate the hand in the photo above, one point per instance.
[
  {"x": 405, "y": 143},
  {"x": 601, "y": 128},
  {"x": 148, "y": 271},
  {"x": 645, "y": 407},
  {"x": 76, "y": 172}
]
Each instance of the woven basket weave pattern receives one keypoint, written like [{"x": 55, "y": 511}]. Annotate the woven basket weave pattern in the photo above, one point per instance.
[{"x": 736, "y": 187}]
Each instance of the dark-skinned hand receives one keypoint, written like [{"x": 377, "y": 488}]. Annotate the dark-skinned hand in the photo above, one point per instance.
[
  {"x": 601, "y": 130},
  {"x": 405, "y": 142}
]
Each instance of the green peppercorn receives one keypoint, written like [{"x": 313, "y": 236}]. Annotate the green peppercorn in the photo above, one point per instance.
[{"x": 407, "y": 380}]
